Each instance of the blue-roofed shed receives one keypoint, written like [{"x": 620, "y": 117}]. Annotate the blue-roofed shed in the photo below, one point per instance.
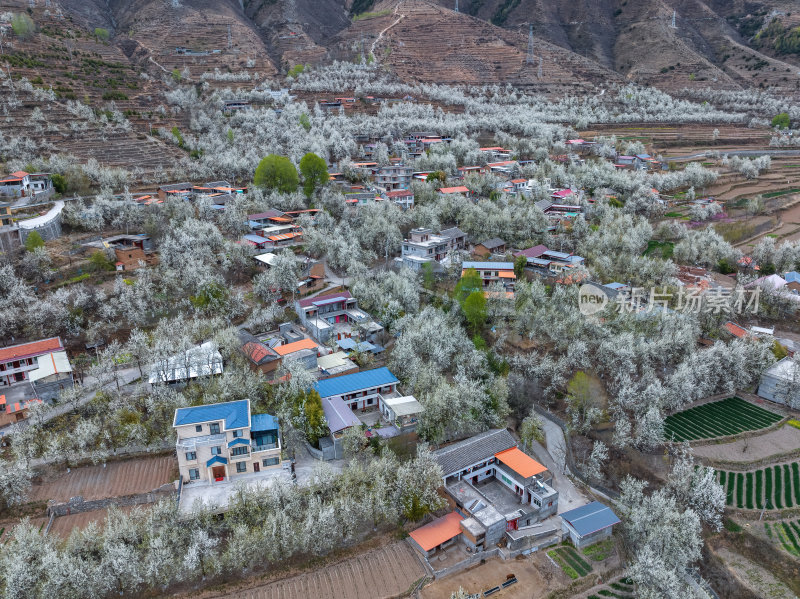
[
  {"x": 357, "y": 382},
  {"x": 232, "y": 414},
  {"x": 589, "y": 523},
  {"x": 350, "y": 344},
  {"x": 264, "y": 431}
]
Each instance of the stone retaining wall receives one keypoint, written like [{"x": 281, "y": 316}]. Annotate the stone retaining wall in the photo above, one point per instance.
[{"x": 78, "y": 505}]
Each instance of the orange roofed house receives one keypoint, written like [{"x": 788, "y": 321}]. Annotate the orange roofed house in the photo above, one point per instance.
[
  {"x": 501, "y": 489},
  {"x": 42, "y": 364}
]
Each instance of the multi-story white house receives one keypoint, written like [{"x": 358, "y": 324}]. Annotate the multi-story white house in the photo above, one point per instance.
[
  {"x": 360, "y": 390},
  {"x": 424, "y": 246},
  {"x": 218, "y": 442},
  {"x": 337, "y": 316},
  {"x": 393, "y": 177}
]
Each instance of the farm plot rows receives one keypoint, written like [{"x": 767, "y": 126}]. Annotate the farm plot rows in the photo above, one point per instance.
[
  {"x": 785, "y": 534},
  {"x": 115, "y": 479},
  {"x": 717, "y": 419},
  {"x": 571, "y": 562},
  {"x": 385, "y": 572},
  {"x": 621, "y": 589},
  {"x": 773, "y": 487}
]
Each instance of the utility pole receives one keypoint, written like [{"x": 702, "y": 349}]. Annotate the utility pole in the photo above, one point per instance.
[
  {"x": 673, "y": 20},
  {"x": 530, "y": 56},
  {"x": 229, "y": 37},
  {"x": 539, "y": 72},
  {"x": 456, "y": 8}
]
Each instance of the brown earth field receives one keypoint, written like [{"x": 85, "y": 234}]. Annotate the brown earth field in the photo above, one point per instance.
[
  {"x": 775, "y": 442},
  {"x": 384, "y": 572},
  {"x": 113, "y": 479}
]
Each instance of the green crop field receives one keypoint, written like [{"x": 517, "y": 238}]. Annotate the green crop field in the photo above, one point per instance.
[
  {"x": 786, "y": 534},
  {"x": 570, "y": 561},
  {"x": 773, "y": 487},
  {"x": 717, "y": 419}
]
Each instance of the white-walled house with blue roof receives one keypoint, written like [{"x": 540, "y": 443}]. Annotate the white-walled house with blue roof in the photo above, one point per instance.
[
  {"x": 219, "y": 442},
  {"x": 360, "y": 390}
]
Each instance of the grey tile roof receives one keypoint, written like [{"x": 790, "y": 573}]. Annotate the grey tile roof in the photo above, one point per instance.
[
  {"x": 452, "y": 232},
  {"x": 459, "y": 455}
]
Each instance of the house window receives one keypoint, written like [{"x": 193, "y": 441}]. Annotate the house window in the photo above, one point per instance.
[
  {"x": 191, "y": 456},
  {"x": 194, "y": 473},
  {"x": 217, "y": 450},
  {"x": 214, "y": 426},
  {"x": 240, "y": 450},
  {"x": 270, "y": 462},
  {"x": 369, "y": 401},
  {"x": 198, "y": 428},
  {"x": 241, "y": 467},
  {"x": 237, "y": 434}
]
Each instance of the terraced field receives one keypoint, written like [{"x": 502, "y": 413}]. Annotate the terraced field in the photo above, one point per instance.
[
  {"x": 785, "y": 534},
  {"x": 773, "y": 487},
  {"x": 570, "y": 561},
  {"x": 717, "y": 419}
]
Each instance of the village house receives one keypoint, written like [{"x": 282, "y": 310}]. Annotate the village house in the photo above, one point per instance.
[
  {"x": 5, "y": 214},
  {"x": 220, "y": 442},
  {"x": 199, "y": 361},
  {"x": 792, "y": 282},
  {"x": 490, "y": 470},
  {"x": 392, "y": 177},
  {"x": 423, "y": 246},
  {"x": 176, "y": 190},
  {"x": 260, "y": 356},
  {"x": 542, "y": 260},
  {"x": 17, "y": 411},
  {"x": 402, "y": 197},
  {"x": 337, "y": 316},
  {"x": 489, "y": 247},
  {"x": 588, "y": 524},
  {"x": 445, "y": 191},
  {"x": 43, "y": 364},
  {"x": 47, "y": 225},
  {"x": 16, "y": 185},
  {"x": 361, "y": 390},
  {"x": 493, "y": 272}
]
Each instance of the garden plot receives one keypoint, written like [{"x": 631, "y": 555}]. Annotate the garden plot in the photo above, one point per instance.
[
  {"x": 570, "y": 561},
  {"x": 717, "y": 419},
  {"x": 773, "y": 487},
  {"x": 785, "y": 534}
]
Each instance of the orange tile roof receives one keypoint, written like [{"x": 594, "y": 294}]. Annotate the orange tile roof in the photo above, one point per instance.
[
  {"x": 296, "y": 346},
  {"x": 437, "y": 532},
  {"x": 506, "y": 274},
  {"x": 735, "y": 330},
  {"x": 35, "y": 348},
  {"x": 460, "y": 189},
  {"x": 520, "y": 462}
]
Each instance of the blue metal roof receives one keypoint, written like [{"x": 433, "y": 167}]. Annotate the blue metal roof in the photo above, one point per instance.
[
  {"x": 239, "y": 441},
  {"x": 217, "y": 459},
  {"x": 254, "y": 238},
  {"x": 263, "y": 422},
  {"x": 792, "y": 277},
  {"x": 235, "y": 414},
  {"x": 590, "y": 518},
  {"x": 354, "y": 382}
]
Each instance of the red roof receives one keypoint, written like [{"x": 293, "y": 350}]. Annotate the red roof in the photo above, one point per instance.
[
  {"x": 735, "y": 330},
  {"x": 399, "y": 193},
  {"x": 495, "y": 148},
  {"x": 29, "y": 350},
  {"x": 460, "y": 189},
  {"x": 519, "y": 180},
  {"x": 20, "y": 174},
  {"x": 437, "y": 532},
  {"x": 533, "y": 252}
]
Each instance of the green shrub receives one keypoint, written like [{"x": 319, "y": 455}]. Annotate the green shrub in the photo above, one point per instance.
[{"x": 23, "y": 26}]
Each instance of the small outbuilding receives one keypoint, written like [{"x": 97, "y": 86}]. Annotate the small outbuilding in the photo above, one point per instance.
[
  {"x": 588, "y": 524},
  {"x": 781, "y": 382},
  {"x": 439, "y": 534}
]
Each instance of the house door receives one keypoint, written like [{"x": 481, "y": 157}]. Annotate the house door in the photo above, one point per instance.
[
  {"x": 256, "y": 467},
  {"x": 19, "y": 377},
  {"x": 218, "y": 472},
  {"x": 511, "y": 525}
]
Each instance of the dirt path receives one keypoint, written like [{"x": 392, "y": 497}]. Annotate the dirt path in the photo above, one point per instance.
[
  {"x": 380, "y": 35},
  {"x": 380, "y": 573}
]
